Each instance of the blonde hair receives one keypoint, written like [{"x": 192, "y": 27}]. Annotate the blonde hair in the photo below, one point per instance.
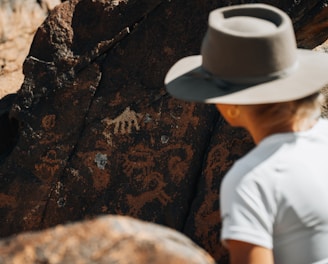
[{"x": 284, "y": 114}]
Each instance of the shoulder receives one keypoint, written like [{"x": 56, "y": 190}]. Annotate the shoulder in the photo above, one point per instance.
[
  {"x": 321, "y": 129},
  {"x": 279, "y": 152},
  {"x": 258, "y": 173},
  {"x": 250, "y": 167}
]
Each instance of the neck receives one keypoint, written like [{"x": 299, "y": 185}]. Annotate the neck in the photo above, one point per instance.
[{"x": 259, "y": 133}]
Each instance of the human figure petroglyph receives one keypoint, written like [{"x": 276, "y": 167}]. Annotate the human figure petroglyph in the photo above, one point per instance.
[
  {"x": 49, "y": 136},
  {"x": 141, "y": 160},
  {"x": 49, "y": 165}
]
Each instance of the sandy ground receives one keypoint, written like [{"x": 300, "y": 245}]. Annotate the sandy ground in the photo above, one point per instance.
[
  {"x": 19, "y": 20},
  {"x": 10, "y": 83}
]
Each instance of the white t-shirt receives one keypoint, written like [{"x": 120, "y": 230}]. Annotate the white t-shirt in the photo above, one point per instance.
[{"x": 277, "y": 196}]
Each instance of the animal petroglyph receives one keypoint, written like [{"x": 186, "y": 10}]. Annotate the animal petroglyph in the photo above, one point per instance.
[
  {"x": 125, "y": 122},
  {"x": 156, "y": 191},
  {"x": 49, "y": 166}
]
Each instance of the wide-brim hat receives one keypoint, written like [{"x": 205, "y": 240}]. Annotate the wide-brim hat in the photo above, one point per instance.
[{"x": 248, "y": 56}]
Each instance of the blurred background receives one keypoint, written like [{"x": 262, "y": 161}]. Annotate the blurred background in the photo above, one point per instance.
[{"x": 19, "y": 20}]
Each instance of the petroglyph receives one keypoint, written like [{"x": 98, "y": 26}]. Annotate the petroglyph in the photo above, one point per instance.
[
  {"x": 141, "y": 164},
  {"x": 49, "y": 165},
  {"x": 96, "y": 163},
  {"x": 157, "y": 191},
  {"x": 125, "y": 122},
  {"x": 48, "y": 122}
]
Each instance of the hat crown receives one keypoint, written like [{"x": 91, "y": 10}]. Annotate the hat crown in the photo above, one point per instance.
[
  {"x": 248, "y": 44},
  {"x": 248, "y": 56},
  {"x": 248, "y": 25}
]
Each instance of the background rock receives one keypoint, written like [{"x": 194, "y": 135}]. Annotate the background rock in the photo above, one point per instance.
[
  {"x": 94, "y": 131},
  {"x": 324, "y": 48}
]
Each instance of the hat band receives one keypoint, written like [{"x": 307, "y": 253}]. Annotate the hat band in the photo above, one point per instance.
[{"x": 249, "y": 80}]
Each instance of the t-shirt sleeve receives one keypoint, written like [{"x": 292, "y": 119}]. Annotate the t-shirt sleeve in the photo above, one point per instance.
[{"x": 247, "y": 210}]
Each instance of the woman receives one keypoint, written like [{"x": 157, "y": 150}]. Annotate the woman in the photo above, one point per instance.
[{"x": 273, "y": 200}]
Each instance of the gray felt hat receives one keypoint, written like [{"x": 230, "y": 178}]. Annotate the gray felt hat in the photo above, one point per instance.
[{"x": 248, "y": 56}]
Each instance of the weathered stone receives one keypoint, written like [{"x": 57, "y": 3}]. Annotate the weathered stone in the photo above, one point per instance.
[
  {"x": 315, "y": 27},
  {"x": 105, "y": 240},
  {"x": 325, "y": 105},
  {"x": 324, "y": 48},
  {"x": 98, "y": 134}
]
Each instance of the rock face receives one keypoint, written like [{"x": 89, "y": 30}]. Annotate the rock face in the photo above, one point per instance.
[
  {"x": 94, "y": 131},
  {"x": 105, "y": 240}
]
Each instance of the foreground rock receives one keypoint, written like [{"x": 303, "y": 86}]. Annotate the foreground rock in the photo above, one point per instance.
[
  {"x": 97, "y": 132},
  {"x": 110, "y": 239}
]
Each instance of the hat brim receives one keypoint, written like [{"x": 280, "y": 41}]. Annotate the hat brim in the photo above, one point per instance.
[{"x": 185, "y": 80}]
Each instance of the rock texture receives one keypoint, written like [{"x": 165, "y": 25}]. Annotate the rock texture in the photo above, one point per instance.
[
  {"x": 105, "y": 240},
  {"x": 324, "y": 48},
  {"x": 93, "y": 131},
  {"x": 314, "y": 27}
]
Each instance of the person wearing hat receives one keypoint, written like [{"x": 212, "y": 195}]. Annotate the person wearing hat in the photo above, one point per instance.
[{"x": 274, "y": 199}]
